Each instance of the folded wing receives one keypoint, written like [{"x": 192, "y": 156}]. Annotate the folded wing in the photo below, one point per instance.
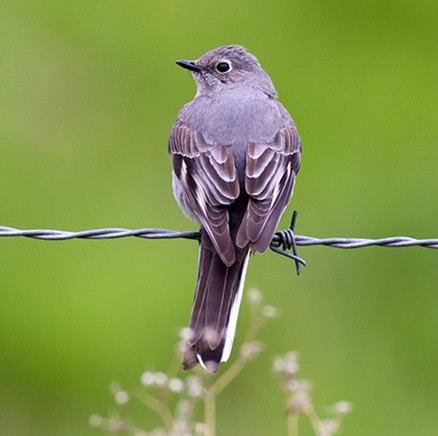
[
  {"x": 209, "y": 178},
  {"x": 269, "y": 180}
]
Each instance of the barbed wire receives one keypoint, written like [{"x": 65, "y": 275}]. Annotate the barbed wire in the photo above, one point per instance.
[{"x": 286, "y": 239}]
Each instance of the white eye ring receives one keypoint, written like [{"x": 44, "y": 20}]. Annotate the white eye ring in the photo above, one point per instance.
[{"x": 223, "y": 66}]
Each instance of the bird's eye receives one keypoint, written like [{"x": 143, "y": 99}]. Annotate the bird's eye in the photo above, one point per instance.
[{"x": 223, "y": 67}]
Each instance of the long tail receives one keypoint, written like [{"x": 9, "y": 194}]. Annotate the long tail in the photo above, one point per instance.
[{"x": 215, "y": 307}]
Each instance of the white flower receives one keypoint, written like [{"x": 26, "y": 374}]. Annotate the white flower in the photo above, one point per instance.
[
  {"x": 201, "y": 428},
  {"x": 291, "y": 363},
  {"x": 328, "y": 427},
  {"x": 248, "y": 350},
  {"x": 185, "y": 333},
  {"x": 176, "y": 384},
  {"x": 121, "y": 397},
  {"x": 147, "y": 378},
  {"x": 160, "y": 379},
  {"x": 254, "y": 296},
  {"x": 342, "y": 407},
  {"x": 194, "y": 386},
  {"x": 95, "y": 420},
  {"x": 278, "y": 365},
  {"x": 116, "y": 426},
  {"x": 270, "y": 312}
]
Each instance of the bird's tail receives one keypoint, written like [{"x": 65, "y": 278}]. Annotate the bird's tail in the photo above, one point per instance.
[{"x": 215, "y": 307}]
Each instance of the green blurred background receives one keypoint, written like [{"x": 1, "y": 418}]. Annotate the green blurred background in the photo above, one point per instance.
[{"x": 88, "y": 94}]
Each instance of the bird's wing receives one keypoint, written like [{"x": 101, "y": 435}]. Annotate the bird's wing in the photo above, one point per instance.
[
  {"x": 209, "y": 178},
  {"x": 269, "y": 180}
]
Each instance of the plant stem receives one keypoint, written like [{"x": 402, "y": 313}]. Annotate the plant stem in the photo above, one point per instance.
[
  {"x": 292, "y": 424},
  {"x": 157, "y": 406},
  {"x": 210, "y": 412},
  {"x": 314, "y": 419},
  {"x": 228, "y": 376}
]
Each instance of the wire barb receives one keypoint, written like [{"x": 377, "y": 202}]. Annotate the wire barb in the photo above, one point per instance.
[{"x": 286, "y": 239}]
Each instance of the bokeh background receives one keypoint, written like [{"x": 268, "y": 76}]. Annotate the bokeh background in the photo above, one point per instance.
[{"x": 88, "y": 94}]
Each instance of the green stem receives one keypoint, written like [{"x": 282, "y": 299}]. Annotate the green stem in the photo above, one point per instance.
[
  {"x": 210, "y": 412},
  {"x": 292, "y": 424},
  {"x": 228, "y": 376},
  {"x": 157, "y": 406},
  {"x": 315, "y": 422}
]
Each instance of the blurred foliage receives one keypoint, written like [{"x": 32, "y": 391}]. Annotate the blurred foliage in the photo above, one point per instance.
[{"x": 88, "y": 94}]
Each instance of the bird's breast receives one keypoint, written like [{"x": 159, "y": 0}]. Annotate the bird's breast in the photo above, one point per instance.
[{"x": 235, "y": 120}]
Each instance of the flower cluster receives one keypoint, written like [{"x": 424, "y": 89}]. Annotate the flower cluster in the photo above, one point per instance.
[
  {"x": 186, "y": 405},
  {"x": 299, "y": 399}
]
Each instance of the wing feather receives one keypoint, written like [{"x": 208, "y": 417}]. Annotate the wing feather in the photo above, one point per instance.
[
  {"x": 208, "y": 176},
  {"x": 269, "y": 180}
]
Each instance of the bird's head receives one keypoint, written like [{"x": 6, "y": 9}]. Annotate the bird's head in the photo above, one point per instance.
[{"x": 226, "y": 67}]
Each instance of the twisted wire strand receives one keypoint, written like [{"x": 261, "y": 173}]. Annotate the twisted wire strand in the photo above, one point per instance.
[
  {"x": 105, "y": 233},
  {"x": 283, "y": 237},
  {"x": 286, "y": 239}
]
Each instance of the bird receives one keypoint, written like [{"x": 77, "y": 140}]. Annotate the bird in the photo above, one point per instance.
[{"x": 235, "y": 153}]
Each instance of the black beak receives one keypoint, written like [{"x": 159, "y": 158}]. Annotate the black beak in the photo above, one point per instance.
[{"x": 189, "y": 65}]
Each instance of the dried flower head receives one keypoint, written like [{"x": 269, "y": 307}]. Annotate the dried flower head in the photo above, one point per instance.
[
  {"x": 121, "y": 397},
  {"x": 255, "y": 296},
  {"x": 185, "y": 333},
  {"x": 249, "y": 350},
  {"x": 95, "y": 420},
  {"x": 287, "y": 364},
  {"x": 147, "y": 378},
  {"x": 160, "y": 379},
  {"x": 343, "y": 407},
  {"x": 270, "y": 312},
  {"x": 200, "y": 429},
  {"x": 328, "y": 427},
  {"x": 194, "y": 386},
  {"x": 184, "y": 410},
  {"x": 116, "y": 426},
  {"x": 175, "y": 384}
]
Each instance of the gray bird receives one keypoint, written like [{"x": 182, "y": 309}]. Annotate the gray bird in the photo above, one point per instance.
[{"x": 235, "y": 153}]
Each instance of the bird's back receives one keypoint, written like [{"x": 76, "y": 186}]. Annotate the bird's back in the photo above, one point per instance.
[{"x": 235, "y": 118}]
